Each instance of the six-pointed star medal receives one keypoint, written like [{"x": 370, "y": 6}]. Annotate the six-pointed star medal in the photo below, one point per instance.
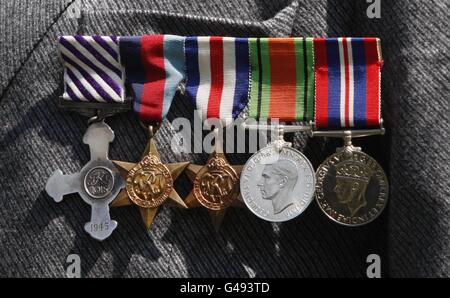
[
  {"x": 216, "y": 187},
  {"x": 149, "y": 183}
]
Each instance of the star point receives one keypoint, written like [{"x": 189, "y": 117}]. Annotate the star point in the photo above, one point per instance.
[
  {"x": 150, "y": 182},
  {"x": 221, "y": 182}
]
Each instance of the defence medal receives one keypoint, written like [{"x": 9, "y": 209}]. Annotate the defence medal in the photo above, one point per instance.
[
  {"x": 351, "y": 188},
  {"x": 217, "y": 71},
  {"x": 277, "y": 182},
  {"x": 93, "y": 86},
  {"x": 154, "y": 67}
]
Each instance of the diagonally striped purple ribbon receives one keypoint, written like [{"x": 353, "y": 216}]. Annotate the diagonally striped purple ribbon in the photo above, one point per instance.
[{"x": 92, "y": 68}]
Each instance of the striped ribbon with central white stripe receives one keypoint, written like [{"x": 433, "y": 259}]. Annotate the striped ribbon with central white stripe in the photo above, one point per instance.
[
  {"x": 217, "y": 70},
  {"x": 348, "y": 74},
  {"x": 92, "y": 71}
]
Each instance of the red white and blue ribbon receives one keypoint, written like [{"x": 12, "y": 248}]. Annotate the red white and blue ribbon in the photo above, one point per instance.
[
  {"x": 217, "y": 72},
  {"x": 154, "y": 66},
  {"x": 92, "y": 71},
  {"x": 347, "y": 82},
  {"x": 346, "y": 75}
]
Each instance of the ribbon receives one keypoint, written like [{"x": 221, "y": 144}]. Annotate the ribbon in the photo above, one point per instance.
[
  {"x": 92, "y": 71},
  {"x": 279, "y": 77},
  {"x": 347, "y": 72},
  {"x": 154, "y": 65},
  {"x": 282, "y": 79},
  {"x": 217, "y": 70}
]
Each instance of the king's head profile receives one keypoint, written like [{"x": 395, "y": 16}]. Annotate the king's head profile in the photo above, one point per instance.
[
  {"x": 277, "y": 184},
  {"x": 352, "y": 180}
]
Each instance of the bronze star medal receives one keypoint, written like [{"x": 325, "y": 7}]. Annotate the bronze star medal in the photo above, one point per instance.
[
  {"x": 149, "y": 183},
  {"x": 216, "y": 186}
]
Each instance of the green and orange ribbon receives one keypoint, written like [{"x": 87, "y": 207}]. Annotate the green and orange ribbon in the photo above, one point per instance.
[{"x": 282, "y": 78}]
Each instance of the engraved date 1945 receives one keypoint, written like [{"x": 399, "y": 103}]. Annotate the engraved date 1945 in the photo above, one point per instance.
[{"x": 103, "y": 226}]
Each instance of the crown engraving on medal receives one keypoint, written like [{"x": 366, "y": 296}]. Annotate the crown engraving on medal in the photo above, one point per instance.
[
  {"x": 149, "y": 183},
  {"x": 354, "y": 171},
  {"x": 215, "y": 185}
]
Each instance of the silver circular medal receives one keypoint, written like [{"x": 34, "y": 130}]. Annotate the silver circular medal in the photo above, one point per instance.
[
  {"x": 99, "y": 182},
  {"x": 351, "y": 187},
  {"x": 277, "y": 184}
]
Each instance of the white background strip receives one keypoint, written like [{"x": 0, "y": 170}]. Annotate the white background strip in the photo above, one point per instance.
[
  {"x": 351, "y": 91},
  {"x": 229, "y": 78},
  {"x": 204, "y": 67},
  {"x": 342, "y": 67}
]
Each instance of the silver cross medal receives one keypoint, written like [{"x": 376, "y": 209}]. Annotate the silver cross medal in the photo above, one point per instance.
[{"x": 98, "y": 182}]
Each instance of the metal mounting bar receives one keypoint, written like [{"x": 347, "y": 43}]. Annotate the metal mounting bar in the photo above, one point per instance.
[
  {"x": 90, "y": 109},
  {"x": 352, "y": 133},
  {"x": 277, "y": 127}
]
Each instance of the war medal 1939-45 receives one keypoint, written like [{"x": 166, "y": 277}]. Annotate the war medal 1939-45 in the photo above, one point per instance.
[{"x": 351, "y": 188}]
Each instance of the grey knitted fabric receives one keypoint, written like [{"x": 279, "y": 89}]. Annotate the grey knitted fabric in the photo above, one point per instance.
[{"x": 36, "y": 234}]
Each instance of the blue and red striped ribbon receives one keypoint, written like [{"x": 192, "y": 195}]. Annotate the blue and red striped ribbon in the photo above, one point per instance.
[
  {"x": 154, "y": 66},
  {"x": 217, "y": 70},
  {"x": 346, "y": 75},
  {"x": 347, "y": 82}
]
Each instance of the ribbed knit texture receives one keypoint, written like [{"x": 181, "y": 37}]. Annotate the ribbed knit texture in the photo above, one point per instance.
[{"x": 37, "y": 234}]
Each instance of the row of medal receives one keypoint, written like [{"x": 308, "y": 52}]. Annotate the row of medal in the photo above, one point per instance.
[{"x": 334, "y": 82}]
